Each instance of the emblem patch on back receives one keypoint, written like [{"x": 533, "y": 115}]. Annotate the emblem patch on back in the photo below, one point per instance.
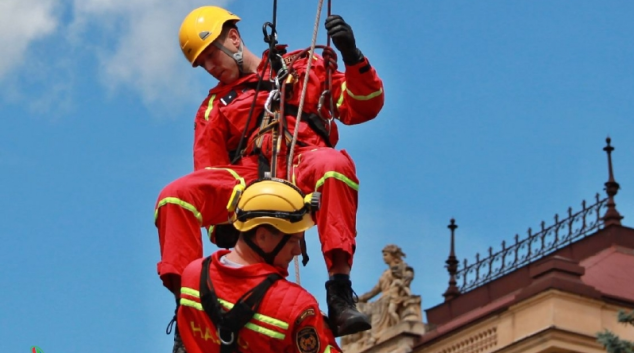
[{"x": 307, "y": 340}]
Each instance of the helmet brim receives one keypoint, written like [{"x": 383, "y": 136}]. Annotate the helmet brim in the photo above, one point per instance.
[{"x": 280, "y": 224}]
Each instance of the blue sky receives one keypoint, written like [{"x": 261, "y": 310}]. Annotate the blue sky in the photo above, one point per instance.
[{"x": 496, "y": 114}]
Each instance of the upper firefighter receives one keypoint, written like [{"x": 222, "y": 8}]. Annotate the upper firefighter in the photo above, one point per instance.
[{"x": 210, "y": 39}]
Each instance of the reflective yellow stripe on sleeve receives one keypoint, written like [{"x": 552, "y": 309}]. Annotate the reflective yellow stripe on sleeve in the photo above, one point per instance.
[
  {"x": 337, "y": 176},
  {"x": 366, "y": 97},
  {"x": 344, "y": 88},
  {"x": 176, "y": 201},
  {"x": 210, "y": 106}
]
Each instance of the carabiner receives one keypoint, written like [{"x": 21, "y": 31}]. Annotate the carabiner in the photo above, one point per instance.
[
  {"x": 271, "y": 39},
  {"x": 273, "y": 95},
  {"x": 321, "y": 112}
]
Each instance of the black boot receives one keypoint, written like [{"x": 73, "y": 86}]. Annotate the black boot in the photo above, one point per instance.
[
  {"x": 179, "y": 347},
  {"x": 343, "y": 315}
]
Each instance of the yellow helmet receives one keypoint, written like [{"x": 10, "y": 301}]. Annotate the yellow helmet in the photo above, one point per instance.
[
  {"x": 200, "y": 28},
  {"x": 275, "y": 202}
]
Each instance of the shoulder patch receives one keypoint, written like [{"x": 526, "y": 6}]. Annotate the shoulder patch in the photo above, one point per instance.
[
  {"x": 229, "y": 97},
  {"x": 307, "y": 340},
  {"x": 307, "y": 313}
]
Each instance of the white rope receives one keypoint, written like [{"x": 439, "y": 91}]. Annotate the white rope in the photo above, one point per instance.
[
  {"x": 300, "y": 108},
  {"x": 297, "y": 271},
  {"x": 303, "y": 96}
]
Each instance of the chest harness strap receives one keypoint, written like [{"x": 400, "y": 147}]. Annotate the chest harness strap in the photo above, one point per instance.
[
  {"x": 229, "y": 323},
  {"x": 266, "y": 122}
]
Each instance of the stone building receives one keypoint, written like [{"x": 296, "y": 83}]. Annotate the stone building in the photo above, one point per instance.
[{"x": 550, "y": 291}]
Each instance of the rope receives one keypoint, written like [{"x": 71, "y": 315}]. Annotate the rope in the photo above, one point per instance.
[
  {"x": 296, "y": 261},
  {"x": 274, "y": 17},
  {"x": 271, "y": 40},
  {"x": 289, "y": 164},
  {"x": 303, "y": 95},
  {"x": 238, "y": 155}
]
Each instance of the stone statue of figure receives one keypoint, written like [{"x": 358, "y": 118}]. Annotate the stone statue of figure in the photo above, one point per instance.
[
  {"x": 393, "y": 284},
  {"x": 396, "y": 302},
  {"x": 395, "y": 305}
]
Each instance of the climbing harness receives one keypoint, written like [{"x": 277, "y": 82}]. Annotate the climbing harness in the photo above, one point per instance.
[
  {"x": 273, "y": 117},
  {"x": 229, "y": 323}
]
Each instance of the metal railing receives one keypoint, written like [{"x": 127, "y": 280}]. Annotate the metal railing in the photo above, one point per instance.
[{"x": 533, "y": 247}]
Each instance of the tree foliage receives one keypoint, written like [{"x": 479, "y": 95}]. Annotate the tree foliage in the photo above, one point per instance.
[{"x": 612, "y": 342}]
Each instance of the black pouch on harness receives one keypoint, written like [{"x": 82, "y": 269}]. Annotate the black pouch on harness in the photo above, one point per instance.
[
  {"x": 316, "y": 123},
  {"x": 264, "y": 166}
]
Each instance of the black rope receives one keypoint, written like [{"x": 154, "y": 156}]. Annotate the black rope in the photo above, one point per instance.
[
  {"x": 238, "y": 155},
  {"x": 272, "y": 41},
  {"x": 274, "y": 14}
]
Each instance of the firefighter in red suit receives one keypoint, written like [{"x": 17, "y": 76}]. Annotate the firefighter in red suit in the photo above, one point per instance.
[
  {"x": 272, "y": 216},
  {"x": 210, "y": 39}
]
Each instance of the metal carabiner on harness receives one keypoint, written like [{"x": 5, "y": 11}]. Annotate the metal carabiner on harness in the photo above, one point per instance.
[
  {"x": 273, "y": 95},
  {"x": 328, "y": 114},
  {"x": 277, "y": 62}
]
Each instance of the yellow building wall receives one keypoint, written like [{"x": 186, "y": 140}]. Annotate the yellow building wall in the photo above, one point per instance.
[{"x": 552, "y": 321}]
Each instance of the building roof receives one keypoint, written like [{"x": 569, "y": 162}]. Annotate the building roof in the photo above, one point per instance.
[
  {"x": 611, "y": 272},
  {"x": 598, "y": 266},
  {"x": 589, "y": 254}
]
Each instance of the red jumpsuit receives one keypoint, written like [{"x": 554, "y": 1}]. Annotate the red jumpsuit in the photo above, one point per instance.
[
  {"x": 200, "y": 199},
  {"x": 296, "y": 326}
]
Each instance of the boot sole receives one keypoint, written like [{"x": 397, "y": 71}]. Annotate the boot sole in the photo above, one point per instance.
[{"x": 353, "y": 327}]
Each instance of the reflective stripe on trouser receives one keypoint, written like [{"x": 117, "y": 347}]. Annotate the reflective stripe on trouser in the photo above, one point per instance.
[
  {"x": 333, "y": 173},
  {"x": 200, "y": 200},
  {"x": 184, "y": 206}
]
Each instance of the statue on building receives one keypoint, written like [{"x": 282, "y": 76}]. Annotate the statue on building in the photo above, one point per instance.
[{"x": 395, "y": 305}]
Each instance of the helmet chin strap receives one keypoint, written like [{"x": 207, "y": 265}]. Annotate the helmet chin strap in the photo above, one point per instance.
[
  {"x": 269, "y": 258},
  {"x": 237, "y": 56}
]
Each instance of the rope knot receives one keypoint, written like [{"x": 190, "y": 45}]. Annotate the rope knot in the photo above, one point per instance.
[{"x": 330, "y": 58}]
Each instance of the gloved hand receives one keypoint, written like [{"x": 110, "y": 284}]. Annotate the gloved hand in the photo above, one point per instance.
[
  {"x": 330, "y": 58},
  {"x": 343, "y": 39}
]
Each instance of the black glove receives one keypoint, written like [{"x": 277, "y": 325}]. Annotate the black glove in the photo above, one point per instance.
[{"x": 343, "y": 39}]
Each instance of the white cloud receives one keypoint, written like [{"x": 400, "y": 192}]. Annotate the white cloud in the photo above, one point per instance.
[
  {"x": 132, "y": 47},
  {"x": 21, "y": 23},
  {"x": 142, "y": 52}
]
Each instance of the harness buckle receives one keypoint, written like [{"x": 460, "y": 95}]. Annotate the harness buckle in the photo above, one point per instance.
[{"x": 222, "y": 340}]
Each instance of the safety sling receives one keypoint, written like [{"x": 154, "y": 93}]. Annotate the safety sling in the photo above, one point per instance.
[
  {"x": 314, "y": 121},
  {"x": 229, "y": 323}
]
